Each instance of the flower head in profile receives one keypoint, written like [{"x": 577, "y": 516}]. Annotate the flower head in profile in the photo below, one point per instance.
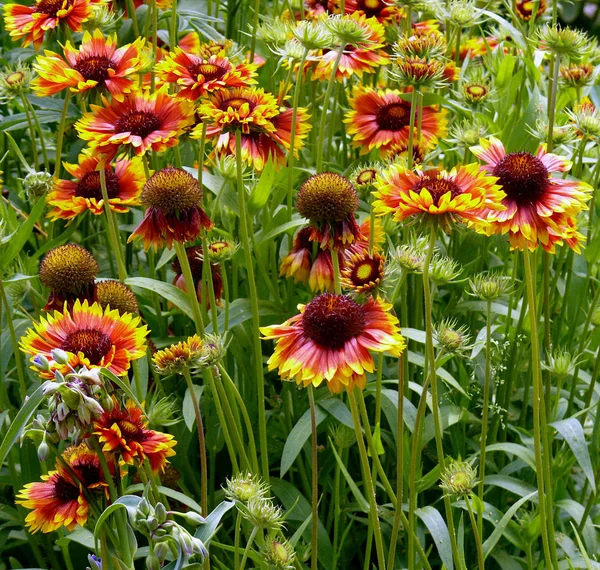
[
  {"x": 172, "y": 198},
  {"x": 329, "y": 341},
  {"x": 189, "y": 353},
  {"x": 380, "y": 119},
  {"x": 71, "y": 198},
  {"x": 69, "y": 272},
  {"x": 117, "y": 296},
  {"x": 97, "y": 63},
  {"x": 90, "y": 336},
  {"x": 195, "y": 257},
  {"x": 363, "y": 51},
  {"x": 266, "y": 129},
  {"x": 329, "y": 201},
  {"x": 463, "y": 193},
  {"x": 124, "y": 431},
  {"x": 15, "y": 81},
  {"x": 539, "y": 209},
  {"x": 142, "y": 121},
  {"x": 59, "y": 499},
  {"x": 196, "y": 76},
  {"x": 30, "y": 23}
]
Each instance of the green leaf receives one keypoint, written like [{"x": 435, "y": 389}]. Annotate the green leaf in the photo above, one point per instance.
[
  {"x": 489, "y": 544},
  {"x": 297, "y": 438},
  {"x": 262, "y": 190},
  {"x": 439, "y": 532},
  {"x": 171, "y": 493},
  {"x": 511, "y": 484},
  {"x": 80, "y": 535},
  {"x": 121, "y": 383},
  {"x": 360, "y": 498},
  {"x": 9, "y": 251},
  {"x": 127, "y": 502},
  {"x": 20, "y": 421},
  {"x": 283, "y": 228},
  {"x": 187, "y": 409},
  {"x": 572, "y": 432},
  {"x": 169, "y": 292},
  {"x": 208, "y": 528},
  {"x": 576, "y": 511},
  {"x": 520, "y": 451},
  {"x": 338, "y": 410}
]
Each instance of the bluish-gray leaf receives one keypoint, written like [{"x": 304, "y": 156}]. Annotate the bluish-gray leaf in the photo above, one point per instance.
[{"x": 572, "y": 432}]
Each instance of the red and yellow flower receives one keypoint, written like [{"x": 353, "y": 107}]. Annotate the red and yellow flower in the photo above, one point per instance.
[
  {"x": 124, "y": 431},
  {"x": 142, "y": 121},
  {"x": 539, "y": 209},
  {"x": 91, "y": 337},
  {"x": 196, "y": 76},
  {"x": 464, "y": 193},
  {"x": 98, "y": 63},
  {"x": 70, "y": 198},
  {"x": 385, "y": 11},
  {"x": 265, "y": 128},
  {"x": 58, "y": 500},
  {"x": 329, "y": 341},
  {"x": 31, "y": 22},
  {"x": 364, "y": 56},
  {"x": 380, "y": 119}
]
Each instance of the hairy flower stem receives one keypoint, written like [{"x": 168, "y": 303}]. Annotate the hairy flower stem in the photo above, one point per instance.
[
  {"x": 112, "y": 226},
  {"x": 248, "y": 546},
  {"x": 539, "y": 428},
  {"x": 485, "y": 411},
  {"x": 184, "y": 262},
  {"x": 364, "y": 460},
  {"x": 201, "y": 442},
  {"x": 552, "y": 88},
  {"x": 36, "y": 163},
  {"x": 315, "y": 489},
  {"x": 14, "y": 342},
  {"x": 337, "y": 283},
  {"x": 132, "y": 15},
  {"x": 321, "y": 137},
  {"x": 256, "y": 344},
  {"x": 291, "y": 157},
  {"x": 38, "y": 128},
  {"x": 432, "y": 377},
  {"x": 411, "y": 127},
  {"x": 476, "y": 534}
]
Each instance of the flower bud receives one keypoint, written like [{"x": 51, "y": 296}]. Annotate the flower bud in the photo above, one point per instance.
[
  {"x": 193, "y": 518},
  {"x": 37, "y": 184},
  {"x": 152, "y": 562},
  {"x": 489, "y": 287},
  {"x": 41, "y": 362},
  {"x": 161, "y": 550},
  {"x": 458, "y": 479},
  {"x": 43, "y": 450},
  {"x": 160, "y": 512},
  {"x": 59, "y": 356}
]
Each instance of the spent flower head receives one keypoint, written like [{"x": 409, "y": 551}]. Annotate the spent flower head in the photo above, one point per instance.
[
  {"x": 561, "y": 134},
  {"x": 14, "y": 81},
  {"x": 564, "y": 42},
  {"x": 467, "y": 133},
  {"x": 443, "y": 269},
  {"x": 278, "y": 554},
  {"x": 275, "y": 32},
  {"x": 346, "y": 29},
  {"x": 261, "y": 512},
  {"x": 451, "y": 338},
  {"x": 561, "y": 363},
  {"x": 245, "y": 486},
  {"x": 428, "y": 46},
  {"x": 419, "y": 72},
  {"x": 37, "y": 184},
  {"x": 586, "y": 119},
  {"x": 458, "y": 478},
  {"x": 411, "y": 257},
  {"x": 460, "y": 13},
  {"x": 313, "y": 35}
]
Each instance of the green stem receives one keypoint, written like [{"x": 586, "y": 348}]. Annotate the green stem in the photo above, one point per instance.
[
  {"x": 335, "y": 261},
  {"x": 184, "y": 262},
  {"x": 132, "y": 15},
  {"x": 174, "y": 26},
  {"x": 257, "y": 349},
  {"x": 315, "y": 488},
  {"x": 208, "y": 279},
  {"x": 15, "y": 344},
  {"x": 248, "y": 546},
  {"x": 538, "y": 397},
  {"x": 411, "y": 128},
  {"x": 320, "y": 139},
  {"x": 112, "y": 226},
  {"x": 485, "y": 411},
  {"x": 236, "y": 543},
  {"x": 36, "y": 163},
  {"x": 476, "y": 534},
  {"x": 201, "y": 442},
  {"x": 38, "y": 129},
  {"x": 254, "y": 27},
  {"x": 364, "y": 460},
  {"x": 555, "y": 62}
]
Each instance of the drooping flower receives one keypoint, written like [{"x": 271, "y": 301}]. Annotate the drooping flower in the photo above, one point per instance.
[
  {"x": 329, "y": 201},
  {"x": 69, "y": 272},
  {"x": 31, "y": 22},
  {"x": 196, "y": 76},
  {"x": 329, "y": 341},
  {"x": 364, "y": 55},
  {"x": 380, "y": 119},
  {"x": 265, "y": 128},
  {"x": 98, "y": 63},
  {"x": 172, "y": 197},
  {"x": 188, "y": 353},
  {"x": 58, "y": 500},
  {"x": 539, "y": 209},
  {"x": 464, "y": 193},
  {"x": 71, "y": 198},
  {"x": 124, "y": 431},
  {"x": 91, "y": 336},
  {"x": 142, "y": 121},
  {"x": 195, "y": 257}
]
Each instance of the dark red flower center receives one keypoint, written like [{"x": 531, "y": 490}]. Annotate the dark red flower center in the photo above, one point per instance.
[
  {"x": 50, "y": 7},
  {"x": 371, "y": 8},
  {"x": 138, "y": 123},
  {"x": 523, "y": 177},
  {"x": 132, "y": 431},
  {"x": 437, "y": 186},
  {"x": 89, "y": 185},
  {"x": 209, "y": 71},
  {"x": 236, "y": 103},
  {"x": 302, "y": 240},
  {"x": 394, "y": 116},
  {"x": 64, "y": 491},
  {"x": 194, "y": 255},
  {"x": 332, "y": 320},
  {"x": 365, "y": 271},
  {"x": 88, "y": 472},
  {"x": 93, "y": 343},
  {"x": 95, "y": 67}
]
